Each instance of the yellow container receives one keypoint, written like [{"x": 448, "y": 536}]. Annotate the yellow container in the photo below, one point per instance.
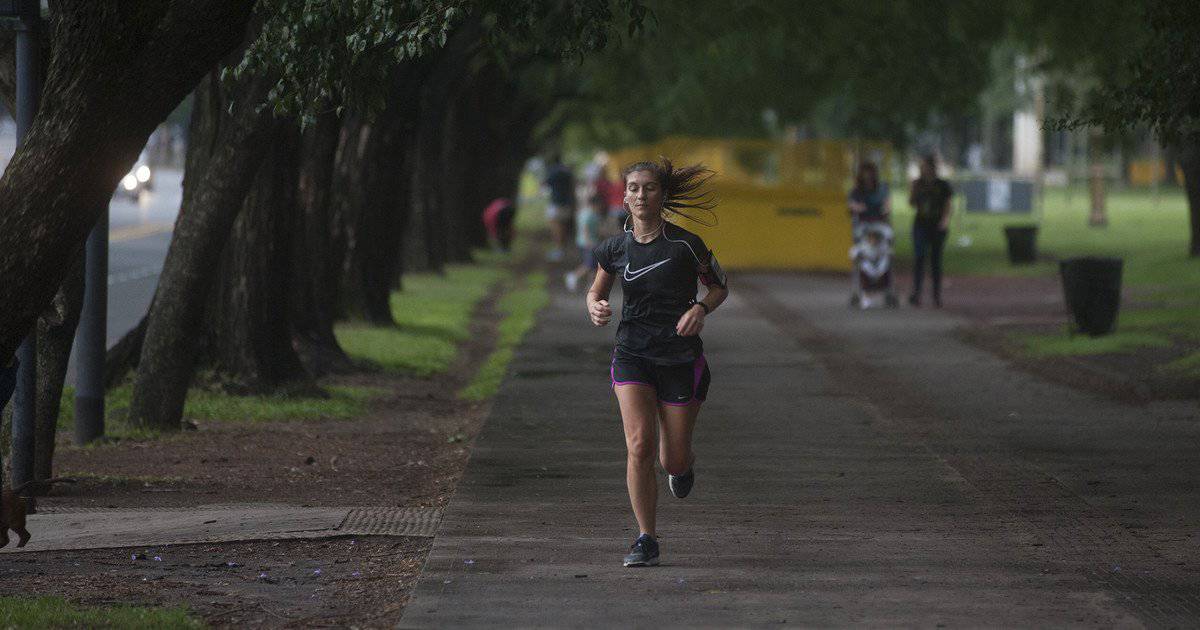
[
  {"x": 1150, "y": 172},
  {"x": 779, "y": 206}
]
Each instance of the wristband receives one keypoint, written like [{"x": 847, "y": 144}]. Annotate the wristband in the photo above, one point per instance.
[{"x": 703, "y": 306}]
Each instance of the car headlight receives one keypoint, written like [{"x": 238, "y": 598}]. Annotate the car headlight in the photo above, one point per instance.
[
  {"x": 129, "y": 182},
  {"x": 143, "y": 173}
]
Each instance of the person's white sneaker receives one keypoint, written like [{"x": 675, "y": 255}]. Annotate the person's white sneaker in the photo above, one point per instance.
[{"x": 681, "y": 485}]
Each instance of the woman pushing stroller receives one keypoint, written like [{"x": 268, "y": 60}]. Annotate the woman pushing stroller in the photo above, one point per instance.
[{"x": 870, "y": 207}]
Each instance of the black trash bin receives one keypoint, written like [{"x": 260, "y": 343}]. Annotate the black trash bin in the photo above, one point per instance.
[
  {"x": 1092, "y": 288},
  {"x": 1022, "y": 243}
]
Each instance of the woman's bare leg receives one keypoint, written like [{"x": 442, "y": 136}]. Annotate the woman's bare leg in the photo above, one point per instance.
[
  {"x": 675, "y": 447},
  {"x": 639, "y": 416}
]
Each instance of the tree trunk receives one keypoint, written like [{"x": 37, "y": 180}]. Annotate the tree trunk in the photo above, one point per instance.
[
  {"x": 371, "y": 210},
  {"x": 122, "y": 358},
  {"x": 460, "y": 143},
  {"x": 427, "y": 237},
  {"x": 56, "y": 333},
  {"x": 222, "y": 155},
  {"x": 1189, "y": 163},
  {"x": 313, "y": 295},
  {"x": 500, "y": 140},
  {"x": 1170, "y": 158},
  {"x": 1097, "y": 217},
  {"x": 352, "y": 168},
  {"x": 249, "y": 344},
  {"x": 117, "y": 69},
  {"x": 385, "y": 221}
]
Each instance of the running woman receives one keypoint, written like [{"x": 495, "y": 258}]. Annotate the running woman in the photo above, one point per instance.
[{"x": 659, "y": 373}]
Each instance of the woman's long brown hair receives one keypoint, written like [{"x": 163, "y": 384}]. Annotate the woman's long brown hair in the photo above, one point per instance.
[
  {"x": 683, "y": 188},
  {"x": 860, "y": 178}
]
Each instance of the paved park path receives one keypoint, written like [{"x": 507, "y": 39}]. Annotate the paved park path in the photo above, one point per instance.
[{"x": 854, "y": 469}]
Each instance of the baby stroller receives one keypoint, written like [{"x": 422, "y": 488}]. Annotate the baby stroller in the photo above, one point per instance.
[{"x": 872, "y": 267}]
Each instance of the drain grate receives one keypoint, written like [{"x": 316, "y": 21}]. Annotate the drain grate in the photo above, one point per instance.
[
  {"x": 392, "y": 522},
  {"x": 99, "y": 528}
]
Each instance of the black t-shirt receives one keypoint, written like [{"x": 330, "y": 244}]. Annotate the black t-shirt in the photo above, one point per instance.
[
  {"x": 659, "y": 282},
  {"x": 929, "y": 200}
]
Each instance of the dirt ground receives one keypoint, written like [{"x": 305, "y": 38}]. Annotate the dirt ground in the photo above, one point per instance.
[
  {"x": 998, "y": 307},
  {"x": 340, "y": 582},
  {"x": 409, "y": 450}
]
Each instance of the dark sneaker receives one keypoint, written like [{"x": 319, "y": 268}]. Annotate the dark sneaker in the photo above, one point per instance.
[
  {"x": 681, "y": 485},
  {"x": 644, "y": 552}
]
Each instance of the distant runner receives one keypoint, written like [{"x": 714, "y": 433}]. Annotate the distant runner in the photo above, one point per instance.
[{"x": 659, "y": 373}]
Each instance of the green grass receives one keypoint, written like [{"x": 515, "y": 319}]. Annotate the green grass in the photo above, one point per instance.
[
  {"x": 342, "y": 402},
  {"x": 1149, "y": 231},
  {"x": 55, "y": 612},
  {"x": 433, "y": 315},
  {"x": 519, "y": 309},
  {"x": 1078, "y": 345},
  {"x": 116, "y": 409},
  {"x": 1150, "y": 234}
]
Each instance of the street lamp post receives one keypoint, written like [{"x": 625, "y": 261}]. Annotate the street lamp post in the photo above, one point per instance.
[{"x": 91, "y": 338}]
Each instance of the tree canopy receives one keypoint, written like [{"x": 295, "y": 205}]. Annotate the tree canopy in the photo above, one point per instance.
[
  {"x": 712, "y": 68},
  {"x": 340, "y": 54}
]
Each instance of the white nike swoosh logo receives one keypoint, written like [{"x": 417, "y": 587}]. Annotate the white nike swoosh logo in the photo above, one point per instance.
[{"x": 634, "y": 275}]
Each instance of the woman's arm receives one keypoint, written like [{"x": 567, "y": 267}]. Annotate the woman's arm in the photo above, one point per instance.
[
  {"x": 692, "y": 322},
  {"x": 597, "y": 297},
  {"x": 856, "y": 207}
]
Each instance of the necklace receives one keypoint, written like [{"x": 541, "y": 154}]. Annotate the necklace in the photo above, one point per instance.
[{"x": 650, "y": 233}]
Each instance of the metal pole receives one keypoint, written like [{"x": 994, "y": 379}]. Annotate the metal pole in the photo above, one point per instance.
[
  {"x": 25, "y": 397},
  {"x": 90, "y": 339}
]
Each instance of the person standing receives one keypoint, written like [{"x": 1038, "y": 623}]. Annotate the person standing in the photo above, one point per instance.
[
  {"x": 498, "y": 219},
  {"x": 587, "y": 236},
  {"x": 930, "y": 198},
  {"x": 560, "y": 207},
  {"x": 870, "y": 200},
  {"x": 659, "y": 373}
]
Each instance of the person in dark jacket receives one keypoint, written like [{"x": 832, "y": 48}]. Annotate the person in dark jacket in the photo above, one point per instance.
[{"x": 930, "y": 198}]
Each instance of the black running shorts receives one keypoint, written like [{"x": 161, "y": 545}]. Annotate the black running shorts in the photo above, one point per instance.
[{"x": 678, "y": 385}]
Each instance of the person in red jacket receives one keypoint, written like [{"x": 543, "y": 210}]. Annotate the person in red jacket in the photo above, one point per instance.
[{"x": 498, "y": 221}]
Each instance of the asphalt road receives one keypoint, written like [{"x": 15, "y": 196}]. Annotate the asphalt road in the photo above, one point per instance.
[{"x": 139, "y": 234}]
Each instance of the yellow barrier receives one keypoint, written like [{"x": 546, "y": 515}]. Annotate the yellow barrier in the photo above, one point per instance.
[
  {"x": 780, "y": 206},
  {"x": 1150, "y": 172}
]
